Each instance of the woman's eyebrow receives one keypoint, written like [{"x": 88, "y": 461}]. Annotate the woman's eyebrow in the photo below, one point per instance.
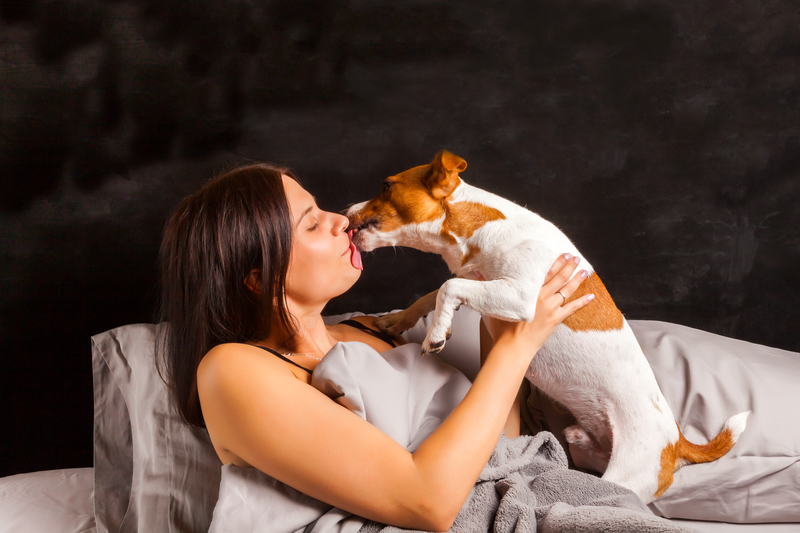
[{"x": 307, "y": 211}]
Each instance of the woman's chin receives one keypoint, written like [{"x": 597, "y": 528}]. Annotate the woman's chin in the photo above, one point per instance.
[
  {"x": 356, "y": 273},
  {"x": 343, "y": 283},
  {"x": 353, "y": 275}
]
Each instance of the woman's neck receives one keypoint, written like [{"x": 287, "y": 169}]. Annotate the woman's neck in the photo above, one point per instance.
[{"x": 312, "y": 336}]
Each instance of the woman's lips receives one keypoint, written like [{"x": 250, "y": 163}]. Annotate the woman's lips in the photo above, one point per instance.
[{"x": 355, "y": 255}]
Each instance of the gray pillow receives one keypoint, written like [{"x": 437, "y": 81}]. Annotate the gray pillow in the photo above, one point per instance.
[
  {"x": 706, "y": 379},
  {"x": 152, "y": 471}
]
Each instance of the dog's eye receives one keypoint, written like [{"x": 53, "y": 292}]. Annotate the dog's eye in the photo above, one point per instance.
[{"x": 386, "y": 186}]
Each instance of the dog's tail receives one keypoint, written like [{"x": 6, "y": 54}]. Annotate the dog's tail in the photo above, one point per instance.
[
  {"x": 684, "y": 452},
  {"x": 719, "y": 445}
]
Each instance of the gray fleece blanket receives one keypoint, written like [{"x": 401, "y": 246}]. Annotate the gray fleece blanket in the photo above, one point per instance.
[{"x": 524, "y": 487}]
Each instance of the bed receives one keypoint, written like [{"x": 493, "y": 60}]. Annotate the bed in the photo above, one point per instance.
[{"x": 152, "y": 473}]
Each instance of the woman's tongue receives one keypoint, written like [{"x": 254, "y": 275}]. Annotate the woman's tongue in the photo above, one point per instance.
[{"x": 355, "y": 255}]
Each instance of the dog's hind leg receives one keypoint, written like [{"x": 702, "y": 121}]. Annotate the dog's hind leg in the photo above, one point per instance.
[
  {"x": 585, "y": 451},
  {"x": 635, "y": 466}
]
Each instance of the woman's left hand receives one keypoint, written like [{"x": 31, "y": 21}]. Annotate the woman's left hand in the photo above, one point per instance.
[{"x": 552, "y": 306}]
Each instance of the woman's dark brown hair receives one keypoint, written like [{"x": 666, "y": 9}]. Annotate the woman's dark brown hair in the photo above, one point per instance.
[{"x": 237, "y": 222}]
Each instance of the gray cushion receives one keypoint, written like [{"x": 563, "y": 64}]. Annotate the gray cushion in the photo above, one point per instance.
[
  {"x": 152, "y": 471},
  {"x": 707, "y": 378}
]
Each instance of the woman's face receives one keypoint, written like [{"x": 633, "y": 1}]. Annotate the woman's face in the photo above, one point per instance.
[{"x": 320, "y": 266}]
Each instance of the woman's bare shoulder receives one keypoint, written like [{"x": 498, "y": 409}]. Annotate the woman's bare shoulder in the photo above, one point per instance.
[
  {"x": 226, "y": 355},
  {"x": 235, "y": 366}
]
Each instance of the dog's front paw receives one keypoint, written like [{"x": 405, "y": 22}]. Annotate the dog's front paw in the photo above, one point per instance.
[
  {"x": 432, "y": 345},
  {"x": 393, "y": 324}
]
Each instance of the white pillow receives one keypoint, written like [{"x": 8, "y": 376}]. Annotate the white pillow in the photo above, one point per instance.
[{"x": 50, "y": 501}]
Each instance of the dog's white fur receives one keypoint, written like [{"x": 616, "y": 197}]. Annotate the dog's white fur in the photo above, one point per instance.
[{"x": 602, "y": 377}]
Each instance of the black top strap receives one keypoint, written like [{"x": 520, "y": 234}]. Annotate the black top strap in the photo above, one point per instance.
[
  {"x": 374, "y": 332},
  {"x": 280, "y": 355}
]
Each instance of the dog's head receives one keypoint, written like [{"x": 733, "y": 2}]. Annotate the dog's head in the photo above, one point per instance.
[{"x": 407, "y": 203}]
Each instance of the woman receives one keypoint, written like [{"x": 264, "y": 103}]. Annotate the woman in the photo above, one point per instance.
[{"x": 248, "y": 264}]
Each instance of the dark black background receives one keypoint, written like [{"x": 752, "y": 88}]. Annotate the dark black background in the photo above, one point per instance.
[{"x": 662, "y": 137}]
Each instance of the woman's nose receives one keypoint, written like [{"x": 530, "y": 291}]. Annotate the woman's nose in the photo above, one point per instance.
[{"x": 340, "y": 223}]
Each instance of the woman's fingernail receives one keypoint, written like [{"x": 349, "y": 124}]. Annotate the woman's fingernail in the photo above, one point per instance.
[
  {"x": 584, "y": 274},
  {"x": 577, "y": 259},
  {"x": 590, "y": 298},
  {"x": 567, "y": 257}
]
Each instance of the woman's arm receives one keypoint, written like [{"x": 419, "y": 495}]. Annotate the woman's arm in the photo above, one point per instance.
[
  {"x": 514, "y": 420},
  {"x": 263, "y": 414}
]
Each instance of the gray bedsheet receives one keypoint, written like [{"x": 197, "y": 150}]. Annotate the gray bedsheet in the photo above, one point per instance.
[{"x": 526, "y": 483}]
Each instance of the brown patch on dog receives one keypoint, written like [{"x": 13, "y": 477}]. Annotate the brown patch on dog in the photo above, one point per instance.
[
  {"x": 682, "y": 452},
  {"x": 601, "y": 315},
  {"x": 463, "y": 218},
  {"x": 669, "y": 458},
  {"x": 470, "y": 255}
]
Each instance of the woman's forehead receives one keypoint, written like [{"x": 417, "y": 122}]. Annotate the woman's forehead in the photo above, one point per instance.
[{"x": 299, "y": 199}]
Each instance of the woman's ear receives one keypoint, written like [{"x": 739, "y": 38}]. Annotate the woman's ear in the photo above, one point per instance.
[{"x": 253, "y": 281}]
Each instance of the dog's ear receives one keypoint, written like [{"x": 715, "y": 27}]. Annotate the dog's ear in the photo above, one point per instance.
[{"x": 444, "y": 179}]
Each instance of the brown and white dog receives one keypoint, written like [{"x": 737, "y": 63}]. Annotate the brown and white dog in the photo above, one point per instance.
[{"x": 591, "y": 364}]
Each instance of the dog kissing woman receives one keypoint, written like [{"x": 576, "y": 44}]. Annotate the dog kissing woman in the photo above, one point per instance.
[{"x": 320, "y": 424}]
